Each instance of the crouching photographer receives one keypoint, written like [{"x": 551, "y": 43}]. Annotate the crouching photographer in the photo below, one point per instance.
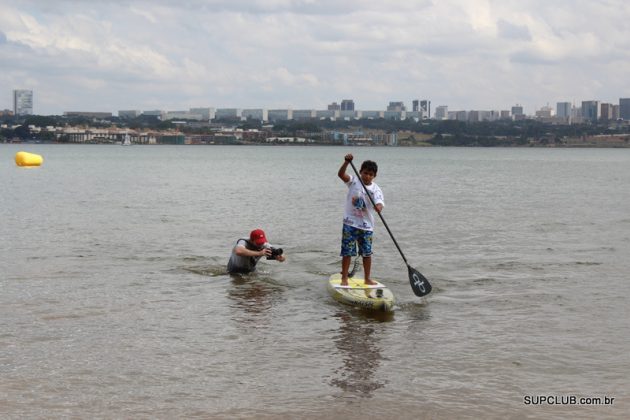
[{"x": 247, "y": 252}]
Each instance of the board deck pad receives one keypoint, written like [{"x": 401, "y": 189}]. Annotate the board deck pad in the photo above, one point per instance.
[
  {"x": 357, "y": 293},
  {"x": 354, "y": 283},
  {"x": 361, "y": 286}
]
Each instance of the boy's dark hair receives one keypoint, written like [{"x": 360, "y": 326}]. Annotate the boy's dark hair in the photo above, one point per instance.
[{"x": 369, "y": 165}]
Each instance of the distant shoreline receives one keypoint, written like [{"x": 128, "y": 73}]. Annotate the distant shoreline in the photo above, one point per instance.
[{"x": 584, "y": 145}]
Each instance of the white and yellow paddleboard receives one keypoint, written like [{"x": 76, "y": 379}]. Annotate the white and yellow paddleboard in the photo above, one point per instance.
[{"x": 377, "y": 297}]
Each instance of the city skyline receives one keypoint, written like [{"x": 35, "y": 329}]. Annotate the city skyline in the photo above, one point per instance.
[
  {"x": 591, "y": 110},
  {"x": 141, "y": 54}
]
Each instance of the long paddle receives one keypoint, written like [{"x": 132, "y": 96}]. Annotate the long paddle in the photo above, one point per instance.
[{"x": 419, "y": 284}]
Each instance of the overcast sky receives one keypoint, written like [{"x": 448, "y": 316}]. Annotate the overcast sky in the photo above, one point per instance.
[{"x": 86, "y": 55}]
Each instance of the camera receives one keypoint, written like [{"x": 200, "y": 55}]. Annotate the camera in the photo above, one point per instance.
[{"x": 275, "y": 252}]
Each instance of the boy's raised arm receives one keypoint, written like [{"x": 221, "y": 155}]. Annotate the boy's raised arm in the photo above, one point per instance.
[{"x": 342, "y": 171}]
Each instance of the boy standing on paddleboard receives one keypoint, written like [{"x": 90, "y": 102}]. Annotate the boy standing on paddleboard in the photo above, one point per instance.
[{"x": 358, "y": 221}]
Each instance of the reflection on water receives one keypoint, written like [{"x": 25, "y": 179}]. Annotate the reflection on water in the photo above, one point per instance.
[
  {"x": 357, "y": 342},
  {"x": 253, "y": 297}
]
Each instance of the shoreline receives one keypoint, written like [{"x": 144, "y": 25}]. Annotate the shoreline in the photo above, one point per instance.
[{"x": 589, "y": 145}]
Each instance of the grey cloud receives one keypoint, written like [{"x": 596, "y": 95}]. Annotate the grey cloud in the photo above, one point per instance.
[
  {"x": 305, "y": 7},
  {"x": 531, "y": 57},
  {"x": 511, "y": 31},
  {"x": 321, "y": 7}
]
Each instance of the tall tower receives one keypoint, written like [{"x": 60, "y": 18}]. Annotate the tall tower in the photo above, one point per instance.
[
  {"x": 590, "y": 110},
  {"x": 425, "y": 108},
  {"x": 347, "y": 105},
  {"x": 22, "y": 102}
]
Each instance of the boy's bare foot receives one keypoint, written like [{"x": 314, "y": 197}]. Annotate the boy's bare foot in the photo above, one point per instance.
[
  {"x": 344, "y": 282},
  {"x": 369, "y": 282}
]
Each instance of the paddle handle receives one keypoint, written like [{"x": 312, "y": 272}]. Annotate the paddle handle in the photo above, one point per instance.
[{"x": 379, "y": 213}]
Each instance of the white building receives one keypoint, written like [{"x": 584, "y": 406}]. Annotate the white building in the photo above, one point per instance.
[{"x": 441, "y": 112}]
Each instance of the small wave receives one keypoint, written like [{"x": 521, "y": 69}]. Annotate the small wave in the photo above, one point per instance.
[
  {"x": 195, "y": 258},
  {"x": 602, "y": 248},
  {"x": 56, "y": 317},
  {"x": 212, "y": 271}
]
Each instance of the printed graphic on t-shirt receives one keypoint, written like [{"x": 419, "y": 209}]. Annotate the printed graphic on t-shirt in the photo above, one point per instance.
[
  {"x": 358, "y": 203},
  {"x": 359, "y": 209}
]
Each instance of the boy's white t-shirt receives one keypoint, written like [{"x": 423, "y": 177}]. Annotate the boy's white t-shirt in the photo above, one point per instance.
[{"x": 359, "y": 212}]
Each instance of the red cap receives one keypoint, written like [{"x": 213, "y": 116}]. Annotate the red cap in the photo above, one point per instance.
[{"x": 257, "y": 236}]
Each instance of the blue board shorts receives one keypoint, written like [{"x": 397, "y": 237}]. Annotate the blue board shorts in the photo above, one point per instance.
[{"x": 350, "y": 236}]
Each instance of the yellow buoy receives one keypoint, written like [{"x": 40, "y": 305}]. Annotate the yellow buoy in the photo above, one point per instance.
[{"x": 28, "y": 159}]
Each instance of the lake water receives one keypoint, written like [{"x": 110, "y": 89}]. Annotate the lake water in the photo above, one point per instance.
[{"x": 115, "y": 302}]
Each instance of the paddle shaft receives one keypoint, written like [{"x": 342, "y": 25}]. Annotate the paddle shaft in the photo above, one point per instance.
[{"x": 379, "y": 213}]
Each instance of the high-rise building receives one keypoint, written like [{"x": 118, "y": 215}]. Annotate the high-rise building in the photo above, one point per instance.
[
  {"x": 425, "y": 108},
  {"x": 347, "y": 105},
  {"x": 590, "y": 110},
  {"x": 334, "y": 107},
  {"x": 624, "y": 108},
  {"x": 563, "y": 109},
  {"x": 606, "y": 111},
  {"x": 23, "y": 102}
]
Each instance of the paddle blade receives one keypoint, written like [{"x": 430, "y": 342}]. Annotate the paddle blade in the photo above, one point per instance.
[{"x": 419, "y": 284}]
